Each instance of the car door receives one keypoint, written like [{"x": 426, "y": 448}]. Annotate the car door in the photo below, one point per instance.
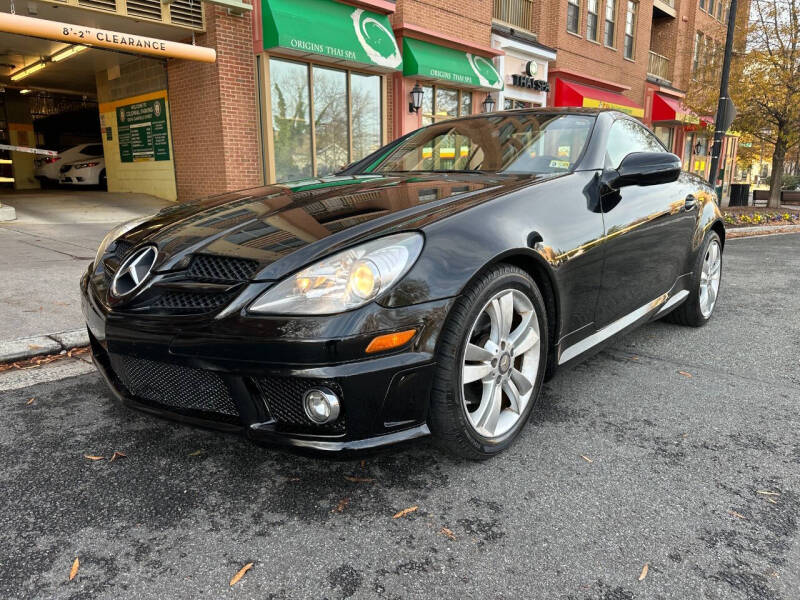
[{"x": 648, "y": 230}]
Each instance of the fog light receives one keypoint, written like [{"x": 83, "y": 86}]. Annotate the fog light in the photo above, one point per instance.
[{"x": 321, "y": 405}]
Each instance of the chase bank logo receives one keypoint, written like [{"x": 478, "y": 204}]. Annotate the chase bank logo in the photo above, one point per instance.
[{"x": 376, "y": 40}]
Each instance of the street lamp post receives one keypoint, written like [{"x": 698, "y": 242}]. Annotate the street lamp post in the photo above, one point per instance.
[{"x": 724, "y": 106}]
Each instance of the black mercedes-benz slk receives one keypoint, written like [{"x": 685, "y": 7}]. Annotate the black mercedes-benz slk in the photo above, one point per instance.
[{"x": 429, "y": 288}]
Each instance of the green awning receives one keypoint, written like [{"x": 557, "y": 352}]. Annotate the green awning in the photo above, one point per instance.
[
  {"x": 423, "y": 59},
  {"x": 330, "y": 29}
]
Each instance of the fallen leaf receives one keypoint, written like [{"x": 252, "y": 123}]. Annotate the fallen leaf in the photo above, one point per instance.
[
  {"x": 93, "y": 457},
  {"x": 634, "y": 358},
  {"x": 684, "y": 373},
  {"x": 342, "y": 505},
  {"x": 30, "y": 401},
  {"x": 449, "y": 533},
  {"x": 586, "y": 458},
  {"x": 34, "y": 347},
  {"x": 197, "y": 453},
  {"x": 359, "y": 479},
  {"x": 766, "y": 493},
  {"x": 74, "y": 570},
  {"x": 117, "y": 455},
  {"x": 737, "y": 515},
  {"x": 293, "y": 479},
  {"x": 405, "y": 511},
  {"x": 770, "y": 500},
  {"x": 645, "y": 569},
  {"x": 363, "y": 462},
  {"x": 240, "y": 574}
]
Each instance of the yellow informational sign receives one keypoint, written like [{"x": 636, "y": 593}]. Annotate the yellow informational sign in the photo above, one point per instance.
[
  {"x": 103, "y": 38},
  {"x": 629, "y": 110},
  {"x": 563, "y": 151}
]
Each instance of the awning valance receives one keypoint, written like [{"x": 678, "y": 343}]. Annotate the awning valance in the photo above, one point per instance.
[
  {"x": 431, "y": 61},
  {"x": 575, "y": 94},
  {"x": 666, "y": 108},
  {"x": 326, "y": 28}
]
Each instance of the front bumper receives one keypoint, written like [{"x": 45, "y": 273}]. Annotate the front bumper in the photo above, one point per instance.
[{"x": 247, "y": 374}]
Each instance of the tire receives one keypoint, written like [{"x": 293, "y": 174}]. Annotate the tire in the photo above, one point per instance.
[
  {"x": 694, "y": 312},
  {"x": 457, "y": 417}
]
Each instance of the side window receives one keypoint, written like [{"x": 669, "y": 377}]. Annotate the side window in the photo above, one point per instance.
[{"x": 628, "y": 136}]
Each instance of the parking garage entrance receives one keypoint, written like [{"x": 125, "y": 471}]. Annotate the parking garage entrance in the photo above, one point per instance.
[{"x": 75, "y": 115}]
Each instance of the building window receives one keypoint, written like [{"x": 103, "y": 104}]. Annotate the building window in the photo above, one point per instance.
[
  {"x": 711, "y": 7},
  {"x": 440, "y": 104},
  {"x": 573, "y": 15},
  {"x": 512, "y": 103},
  {"x": 591, "y": 20},
  {"x": 702, "y": 4},
  {"x": 665, "y": 134},
  {"x": 611, "y": 18},
  {"x": 719, "y": 10},
  {"x": 698, "y": 42},
  {"x": 630, "y": 29},
  {"x": 322, "y": 118}
]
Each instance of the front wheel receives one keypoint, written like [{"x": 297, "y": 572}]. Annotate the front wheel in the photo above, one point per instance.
[
  {"x": 699, "y": 306},
  {"x": 491, "y": 361}
]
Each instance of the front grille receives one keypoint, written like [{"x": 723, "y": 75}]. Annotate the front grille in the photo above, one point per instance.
[
  {"x": 190, "y": 300},
  {"x": 121, "y": 249},
  {"x": 284, "y": 399},
  {"x": 178, "y": 388},
  {"x": 208, "y": 267}
]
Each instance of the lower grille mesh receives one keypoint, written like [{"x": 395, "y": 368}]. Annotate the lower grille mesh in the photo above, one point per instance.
[
  {"x": 191, "y": 300},
  {"x": 175, "y": 386},
  {"x": 284, "y": 398}
]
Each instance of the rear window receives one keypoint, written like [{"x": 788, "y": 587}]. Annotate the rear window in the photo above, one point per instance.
[{"x": 93, "y": 150}]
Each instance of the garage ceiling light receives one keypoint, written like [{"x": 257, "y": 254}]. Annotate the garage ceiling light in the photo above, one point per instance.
[
  {"x": 67, "y": 53},
  {"x": 26, "y": 91},
  {"x": 29, "y": 70}
]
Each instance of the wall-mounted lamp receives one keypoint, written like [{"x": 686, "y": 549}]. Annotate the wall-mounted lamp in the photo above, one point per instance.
[
  {"x": 416, "y": 99},
  {"x": 488, "y": 104},
  {"x": 698, "y": 147}
]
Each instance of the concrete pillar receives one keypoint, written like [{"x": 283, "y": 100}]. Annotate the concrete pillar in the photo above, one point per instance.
[{"x": 20, "y": 133}]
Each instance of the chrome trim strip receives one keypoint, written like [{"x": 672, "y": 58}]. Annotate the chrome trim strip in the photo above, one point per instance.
[
  {"x": 673, "y": 301},
  {"x": 610, "y": 329}
]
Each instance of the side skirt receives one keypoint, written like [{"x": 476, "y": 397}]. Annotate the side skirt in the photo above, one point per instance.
[{"x": 652, "y": 309}]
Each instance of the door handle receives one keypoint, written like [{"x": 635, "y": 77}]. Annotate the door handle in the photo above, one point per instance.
[{"x": 690, "y": 202}]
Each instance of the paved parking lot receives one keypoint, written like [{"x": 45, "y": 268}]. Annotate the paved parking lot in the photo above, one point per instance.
[{"x": 678, "y": 449}]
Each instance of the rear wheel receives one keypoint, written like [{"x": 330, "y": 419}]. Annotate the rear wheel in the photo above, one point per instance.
[
  {"x": 492, "y": 358},
  {"x": 699, "y": 306}
]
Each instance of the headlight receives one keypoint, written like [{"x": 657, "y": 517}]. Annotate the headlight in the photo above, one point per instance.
[
  {"x": 115, "y": 233},
  {"x": 345, "y": 280}
]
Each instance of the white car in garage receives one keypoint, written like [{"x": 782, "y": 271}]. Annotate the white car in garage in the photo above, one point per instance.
[
  {"x": 48, "y": 168},
  {"x": 87, "y": 171}
]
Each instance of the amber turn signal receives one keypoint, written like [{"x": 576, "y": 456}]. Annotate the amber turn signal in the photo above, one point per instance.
[{"x": 390, "y": 340}]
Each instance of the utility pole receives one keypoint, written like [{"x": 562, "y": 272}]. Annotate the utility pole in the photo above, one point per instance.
[{"x": 725, "y": 106}]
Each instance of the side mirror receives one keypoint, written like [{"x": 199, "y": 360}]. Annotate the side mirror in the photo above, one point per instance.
[{"x": 645, "y": 168}]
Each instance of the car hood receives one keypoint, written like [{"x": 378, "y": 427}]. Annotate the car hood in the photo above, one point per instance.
[{"x": 284, "y": 227}]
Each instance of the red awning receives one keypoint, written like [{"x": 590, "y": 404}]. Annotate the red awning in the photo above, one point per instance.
[
  {"x": 666, "y": 108},
  {"x": 575, "y": 94}
]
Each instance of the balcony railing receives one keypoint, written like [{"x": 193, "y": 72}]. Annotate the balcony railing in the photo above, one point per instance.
[
  {"x": 181, "y": 13},
  {"x": 670, "y": 3},
  {"x": 517, "y": 13},
  {"x": 658, "y": 66}
]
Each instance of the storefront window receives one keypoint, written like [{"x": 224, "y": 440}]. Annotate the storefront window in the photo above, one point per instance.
[
  {"x": 291, "y": 125},
  {"x": 347, "y": 119},
  {"x": 440, "y": 104},
  {"x": 665, "y": 134},
  {"x": 330, "y": 119},
  {"x": 512, "y": 103},
  {"x": 365, "y": 93}
]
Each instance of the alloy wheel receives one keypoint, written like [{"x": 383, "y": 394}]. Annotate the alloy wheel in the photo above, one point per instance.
[
  {"x": 500, "y": 363},
  {"x": 709, "y": 278}
]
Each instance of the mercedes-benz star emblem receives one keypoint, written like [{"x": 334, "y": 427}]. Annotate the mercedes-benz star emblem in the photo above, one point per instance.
[{"x": 133, "y": 271}]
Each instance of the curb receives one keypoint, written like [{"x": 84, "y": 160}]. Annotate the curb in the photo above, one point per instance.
[
  {"x": 745, "y": 232},
  {"x": 51, "y": 343}
]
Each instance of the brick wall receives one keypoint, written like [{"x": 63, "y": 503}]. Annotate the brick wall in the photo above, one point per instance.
[
  {"x": 214, "y": 111},
  {"x": 470, "y": 20}
]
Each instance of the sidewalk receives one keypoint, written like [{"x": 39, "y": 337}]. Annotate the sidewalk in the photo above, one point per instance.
[{"x": 42, "y": 256}]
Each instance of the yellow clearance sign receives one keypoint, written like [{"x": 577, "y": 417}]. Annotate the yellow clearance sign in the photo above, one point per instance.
[
  {"x": 102, "y": 38},
  {"x": 630, "y": 110}
]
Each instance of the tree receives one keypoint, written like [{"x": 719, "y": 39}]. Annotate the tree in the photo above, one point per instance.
[{"x": 767, "y": 92}]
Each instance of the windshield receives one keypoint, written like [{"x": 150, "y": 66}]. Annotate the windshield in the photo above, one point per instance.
[{"x": 507, "y": 143}]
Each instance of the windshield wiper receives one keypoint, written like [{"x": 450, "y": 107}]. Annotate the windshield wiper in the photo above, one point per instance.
[{"x": 454, "y": 171}]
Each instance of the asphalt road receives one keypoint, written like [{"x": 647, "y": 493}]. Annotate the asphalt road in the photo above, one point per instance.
[{"x": 677, "y": 464}]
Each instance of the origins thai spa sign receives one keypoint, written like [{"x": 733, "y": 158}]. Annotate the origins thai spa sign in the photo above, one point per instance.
[
  {"x": 431, "y": 61},
  {"x": 331, "y": 29},
  {"x": 142, "y": 131}
]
